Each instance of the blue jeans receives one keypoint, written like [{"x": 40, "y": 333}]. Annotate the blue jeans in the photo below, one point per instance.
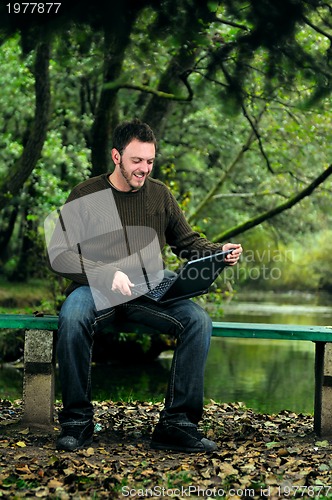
[{"x": 79, "y": 322}]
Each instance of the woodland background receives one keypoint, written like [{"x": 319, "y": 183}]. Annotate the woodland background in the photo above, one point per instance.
[
  {"x": 237, "y": 92},
  {"x": 239, "y": 95}
]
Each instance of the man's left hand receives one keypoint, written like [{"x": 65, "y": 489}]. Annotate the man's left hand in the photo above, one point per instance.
[{"x": 233, "y": 258}]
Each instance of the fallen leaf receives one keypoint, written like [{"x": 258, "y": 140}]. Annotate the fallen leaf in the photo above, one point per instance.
[
  {"x": 228, "y": 469},
  {"x": 272, "y": 444},
  {"x": 54, "y": 483},
  {"x": 322, "y": 444},
  {"x": 42, "y": 492},
  {"x": 89, "y": 452},
  {"x": 25, "y": 431}
]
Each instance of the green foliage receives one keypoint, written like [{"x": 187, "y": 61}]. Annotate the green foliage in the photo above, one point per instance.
[
  {"x": 304, "y": 264},
  {"x": 253, "y": 70},
  {"x": 16, "y": 102},
  {"x": 11, "y": 345}
]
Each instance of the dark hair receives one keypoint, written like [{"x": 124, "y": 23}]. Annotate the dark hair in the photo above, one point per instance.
[{"x": 125, "y": 132}]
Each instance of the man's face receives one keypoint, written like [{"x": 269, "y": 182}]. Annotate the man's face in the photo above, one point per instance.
[{"x": 134, "y": 165}]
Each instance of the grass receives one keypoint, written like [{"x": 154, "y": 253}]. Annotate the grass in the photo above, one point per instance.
[{"x": 16, "y": 297}]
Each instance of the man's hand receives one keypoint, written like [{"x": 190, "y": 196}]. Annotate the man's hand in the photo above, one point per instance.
[
  {"x": 121, "y": 283},
  {"x": 232, "y": 258}
]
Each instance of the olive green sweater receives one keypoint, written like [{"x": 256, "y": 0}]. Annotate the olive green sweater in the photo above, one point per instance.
[{"x": 102, "y": 230}]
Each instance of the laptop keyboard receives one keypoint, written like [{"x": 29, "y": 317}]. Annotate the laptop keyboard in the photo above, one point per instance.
[{"x": 156, "y": 292}]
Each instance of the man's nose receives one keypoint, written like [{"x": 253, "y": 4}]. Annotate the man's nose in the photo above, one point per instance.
[{"x": 146, "y": 167}]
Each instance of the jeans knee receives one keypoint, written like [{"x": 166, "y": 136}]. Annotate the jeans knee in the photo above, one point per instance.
[
  {"x": 201, "y": 318},
  {"x": 75, "y": 322},
  {"x": 73, "y": 314}
]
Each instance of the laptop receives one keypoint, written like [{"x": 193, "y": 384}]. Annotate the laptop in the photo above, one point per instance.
[{"x": 194, "y": 278}]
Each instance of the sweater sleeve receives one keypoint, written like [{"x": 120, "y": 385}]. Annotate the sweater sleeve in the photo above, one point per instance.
[
  {"x": 183, "y": 240},
  {"x": 70, "y": 231}
]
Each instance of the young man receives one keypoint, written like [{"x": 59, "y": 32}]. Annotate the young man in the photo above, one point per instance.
[{"x": 111, "y": 227}]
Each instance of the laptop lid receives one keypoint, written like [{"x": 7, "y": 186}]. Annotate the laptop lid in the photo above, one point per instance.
[{"x": 195, "y": 278}]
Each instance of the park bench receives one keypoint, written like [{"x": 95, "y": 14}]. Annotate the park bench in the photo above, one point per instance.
[{"x": 39, "y": 361}]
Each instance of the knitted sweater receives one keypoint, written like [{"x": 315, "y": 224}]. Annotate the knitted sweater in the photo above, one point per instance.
[{"x": 102, "y": 230}]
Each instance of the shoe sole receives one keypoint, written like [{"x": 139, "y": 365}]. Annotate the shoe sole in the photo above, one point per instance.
[{"x": 86, "y": 443}]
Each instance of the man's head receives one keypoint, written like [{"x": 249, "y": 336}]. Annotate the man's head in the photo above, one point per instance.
[
  {"x": 125, "y": 132},
  {"x": 133, "y": 154}
]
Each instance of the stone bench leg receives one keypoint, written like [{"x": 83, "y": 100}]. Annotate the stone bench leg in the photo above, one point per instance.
[
  {"x": 38, "y": 382},
  {"x": 323, "y": 389}
]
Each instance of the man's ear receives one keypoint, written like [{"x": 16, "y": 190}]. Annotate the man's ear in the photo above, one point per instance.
[{"x": 116, "y": 156}]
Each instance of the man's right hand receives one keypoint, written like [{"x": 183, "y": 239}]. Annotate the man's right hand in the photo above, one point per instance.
[{"x": 121, "y": 283}]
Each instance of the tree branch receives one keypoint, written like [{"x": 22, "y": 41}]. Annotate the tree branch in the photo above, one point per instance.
[
  {"x": 316, "y": 28},
  {"x": 258, "y": 136},
  {"x": 251, "y": 137},
  {"x": 293, "y": 200},
  {"x": 150, "y": 90},
  {"x": 230, "y": 23},
  {"x": 247, "y": 195}
]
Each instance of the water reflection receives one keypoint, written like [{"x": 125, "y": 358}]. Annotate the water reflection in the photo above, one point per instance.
[
  {"x": 116, "y": 381},
  {"x": 268, "y": 376},
  {"x": 11, "y": 382},
  {"x": 288, "y": 308}
]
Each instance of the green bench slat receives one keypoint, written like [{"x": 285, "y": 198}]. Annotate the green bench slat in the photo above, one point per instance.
[
  {"x": 220, "y": 328},
  {"x": 28, "y": 322},
  {"x": 272, "y": 331}
]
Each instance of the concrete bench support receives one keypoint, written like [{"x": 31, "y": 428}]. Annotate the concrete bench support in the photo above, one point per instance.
[
  {"x": 38, "y": 384},
  {"x": 323, "y": 390}
]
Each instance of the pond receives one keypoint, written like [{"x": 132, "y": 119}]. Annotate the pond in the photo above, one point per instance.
[
  {"x": 289, "y": 308},
  {"x": 268, "y": 376}
]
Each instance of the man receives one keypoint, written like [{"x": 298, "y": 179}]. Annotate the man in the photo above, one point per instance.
[{"x": 96, "y": 245}]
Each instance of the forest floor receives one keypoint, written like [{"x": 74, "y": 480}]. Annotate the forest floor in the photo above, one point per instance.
[{"x": 259, "y": 456}]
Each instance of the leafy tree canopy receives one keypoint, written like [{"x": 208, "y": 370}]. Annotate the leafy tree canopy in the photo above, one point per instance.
[
  {"x": 230, "y": 33},
  {"x": 237, "y": 93}
]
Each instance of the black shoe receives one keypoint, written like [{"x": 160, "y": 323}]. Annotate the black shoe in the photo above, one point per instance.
[
  {"x": 75, "y": 437},
  {"x": 177, "y": 437}
]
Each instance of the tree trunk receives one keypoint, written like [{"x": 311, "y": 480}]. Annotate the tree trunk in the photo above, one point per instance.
[
  {"x": 9, "y": 217},
  {"x": 174, "y": 78},
  {"x": 106, "y": 116},
  {"x": 20, "y": 172},
  {"x": 158, "y": 109}
]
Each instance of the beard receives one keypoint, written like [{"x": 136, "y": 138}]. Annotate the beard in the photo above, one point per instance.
[{"x": 127, "y": 178}]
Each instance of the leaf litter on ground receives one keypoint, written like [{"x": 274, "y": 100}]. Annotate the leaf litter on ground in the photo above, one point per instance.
[{"x": 259, "y": 456}]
